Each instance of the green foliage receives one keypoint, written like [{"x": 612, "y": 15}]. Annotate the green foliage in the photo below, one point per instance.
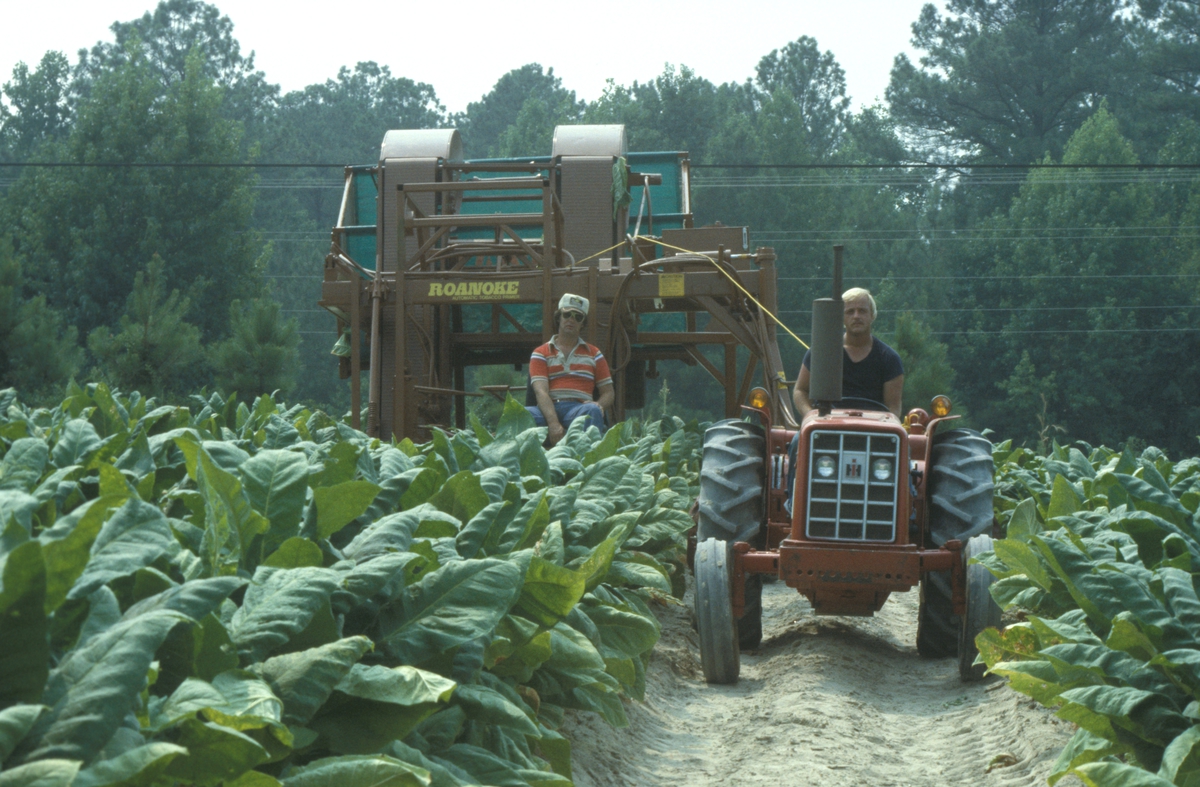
[
  {"x": 37, "y": 351},
  {"x": 1107, "y": 323},
  {"x": 927, "y": 369},
  {"x": 485, "y": 122},
  {"x": 1099, "y": 560},
  {"x": 157, "y": 349},
  {"x": 1008, "y": 80},
  {"x": 84, "y": 233},
  {"x": 40, "y": 110},
  {"x": 260, "y": 354},
  {"x": 248, "y": 593}
]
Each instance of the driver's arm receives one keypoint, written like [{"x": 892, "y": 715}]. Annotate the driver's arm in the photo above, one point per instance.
[
  {"x": 800, "y": 392},
  {"x": 893, "y": 394}
]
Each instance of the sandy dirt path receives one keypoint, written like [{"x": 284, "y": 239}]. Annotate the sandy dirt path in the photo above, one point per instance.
[{"x": 825, "y": 702}]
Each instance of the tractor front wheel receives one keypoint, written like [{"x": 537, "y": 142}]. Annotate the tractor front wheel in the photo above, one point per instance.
[
  {"x": 714, "y": 612},
  {"x": 982, "y": 610}
]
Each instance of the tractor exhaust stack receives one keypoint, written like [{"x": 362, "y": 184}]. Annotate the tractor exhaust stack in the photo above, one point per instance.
[{"x": 825, "y": 388}]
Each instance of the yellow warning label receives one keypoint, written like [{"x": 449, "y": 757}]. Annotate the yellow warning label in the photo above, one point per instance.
[{"x": 670, "y": 285}]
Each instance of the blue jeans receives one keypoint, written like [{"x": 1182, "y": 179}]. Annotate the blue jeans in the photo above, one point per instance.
[{"x": 568, "y": 411}]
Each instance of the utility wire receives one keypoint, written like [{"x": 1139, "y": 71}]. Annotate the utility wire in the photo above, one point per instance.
[{"x": 326, "y": 165}]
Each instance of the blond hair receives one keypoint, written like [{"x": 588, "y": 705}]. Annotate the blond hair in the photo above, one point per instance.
[{"x": 858, "y": 293}]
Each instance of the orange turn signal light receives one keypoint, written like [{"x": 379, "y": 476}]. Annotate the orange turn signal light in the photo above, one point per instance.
[
  {"x": 941, "y": 406},
  {"x": 760, "y": 399}
]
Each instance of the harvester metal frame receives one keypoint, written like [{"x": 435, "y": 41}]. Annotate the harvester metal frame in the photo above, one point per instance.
[{"x": 433, "y": 259}]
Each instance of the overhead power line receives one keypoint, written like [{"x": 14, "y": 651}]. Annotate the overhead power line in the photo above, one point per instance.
[
  {"x": 947, "y": 165},
  {"x": 953, "y": 165}
]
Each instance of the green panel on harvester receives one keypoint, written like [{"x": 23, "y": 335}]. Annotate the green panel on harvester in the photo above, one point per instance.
[{"x": 665, "y": 202}]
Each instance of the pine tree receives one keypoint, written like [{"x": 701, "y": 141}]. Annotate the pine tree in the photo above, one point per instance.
[
  {"x": 156, "y": 351},
  {"x": 260, "y": 356},
  {"x": 37, "y": 350}
]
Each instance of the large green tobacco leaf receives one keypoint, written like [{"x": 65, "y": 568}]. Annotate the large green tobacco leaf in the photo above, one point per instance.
[
  {"x": 95, "y": 686},
  {"x": 276, "y": 483},
  {"x": 279, "y": 604},
  {"x": 373, "y": 706},
  {"x": 15, "y": 722},
  {"x": 230, "y": 523},
  {"x": 1156, "y": 500},
  {"x": 216, "y": 753},
  {"x": 143, "y": 766},
  {"x": 232, "y": 694},
  {"x": 623, "y": 632},
  {"x": 484, "y": 766},
  {"x": 44, "y": 773},
  {"x": 461, "y": 496},
  {"x": 1084, "y": 747},
  {"x": 486, "y": 526},
  {"x": 1146, "y": 714},
  {"x": 513, "y": 421},
  {"x": 1117, "y": 774},
  {"x": 395, "y": 532},
  {"x": 550, "y": 591},
  {"x": 523, "y": 531},
  {"x": 25, "y": 644},
  {"x": 22, "y": 466},
  {"x": 339, "y": 505},
  {"x": 196, "y": 598},
  {"x": 358, "y": 771},
  {"x": 460, "y": 601},
  {"x": 68, "y": 546},
  {"x": 385, "y": 575},
  {"x": 489, "y": 705},
  {"x": 1181, "y": 759},
  {"x": 135, "y": 536},
  {"x": 304, "y": 680},
  {"x": 76, "y": 443}
]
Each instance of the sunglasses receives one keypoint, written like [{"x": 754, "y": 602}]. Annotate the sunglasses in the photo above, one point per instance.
[{"x": 573, "y": 315}]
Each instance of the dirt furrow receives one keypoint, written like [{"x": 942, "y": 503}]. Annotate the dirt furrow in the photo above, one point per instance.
[{"x": 825, "y": 702}]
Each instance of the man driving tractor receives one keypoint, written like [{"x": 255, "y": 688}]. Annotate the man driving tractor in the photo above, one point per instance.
[{"x": 870, "y": 369}]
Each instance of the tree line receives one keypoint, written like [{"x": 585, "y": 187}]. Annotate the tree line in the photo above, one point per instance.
[{"x": 1056, "y": 301}]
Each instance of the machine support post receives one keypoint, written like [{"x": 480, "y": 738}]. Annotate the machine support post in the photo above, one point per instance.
[{"x": 355, "y": 357}]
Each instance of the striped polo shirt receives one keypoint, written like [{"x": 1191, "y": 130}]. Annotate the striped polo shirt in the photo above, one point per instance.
[{"x": 573, "y": 376}]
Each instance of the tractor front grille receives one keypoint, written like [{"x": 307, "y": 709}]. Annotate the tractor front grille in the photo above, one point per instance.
[{"x": 849, "y": 502}]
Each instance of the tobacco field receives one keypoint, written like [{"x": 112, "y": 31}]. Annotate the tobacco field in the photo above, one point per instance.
[
  {"x": 261, "y": 595},
  {"x": 1099, "y": 565}
]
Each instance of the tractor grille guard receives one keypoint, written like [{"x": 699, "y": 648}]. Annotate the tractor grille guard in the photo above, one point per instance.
[{"x": 850, "y": 503}]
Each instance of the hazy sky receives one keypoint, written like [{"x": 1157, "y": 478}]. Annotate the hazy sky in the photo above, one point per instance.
[{"x": 461, "y": 48}]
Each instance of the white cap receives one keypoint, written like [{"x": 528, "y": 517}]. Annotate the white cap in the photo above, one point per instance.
[{"x": 569, "y": 301}]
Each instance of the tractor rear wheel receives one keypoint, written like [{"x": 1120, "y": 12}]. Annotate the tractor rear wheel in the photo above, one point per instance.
[
  {"x": 960, "y": 507},
  {"x": 961, "y": 475},
  {"x": 714, "y": 612},
  {"x": 982, "y": 610},
  {"x": 732, "y": 504}
]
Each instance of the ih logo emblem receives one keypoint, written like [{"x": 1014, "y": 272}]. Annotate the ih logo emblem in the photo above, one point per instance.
[{"x": 854, "y": 467}]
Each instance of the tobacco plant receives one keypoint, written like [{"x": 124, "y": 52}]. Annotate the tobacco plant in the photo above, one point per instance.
[
  {"x": 1100, "y": 563},
  {"x": 257, "y": 595}
]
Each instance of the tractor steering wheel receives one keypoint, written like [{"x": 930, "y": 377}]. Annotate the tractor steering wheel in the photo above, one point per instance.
[{"x": 861, "y": 402}]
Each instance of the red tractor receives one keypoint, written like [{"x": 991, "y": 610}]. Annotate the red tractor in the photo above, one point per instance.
[{"x": 878, "y": 505}]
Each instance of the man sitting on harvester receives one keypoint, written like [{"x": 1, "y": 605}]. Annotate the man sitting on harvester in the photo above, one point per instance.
[
  {"x": 870, "y": 369},
  {"x": 566, "y": 372}
]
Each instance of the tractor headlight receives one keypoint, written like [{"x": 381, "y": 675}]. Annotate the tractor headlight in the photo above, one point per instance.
[
  {"x": 881, "y": 469},
  {"x": 825, "y": 466}
]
